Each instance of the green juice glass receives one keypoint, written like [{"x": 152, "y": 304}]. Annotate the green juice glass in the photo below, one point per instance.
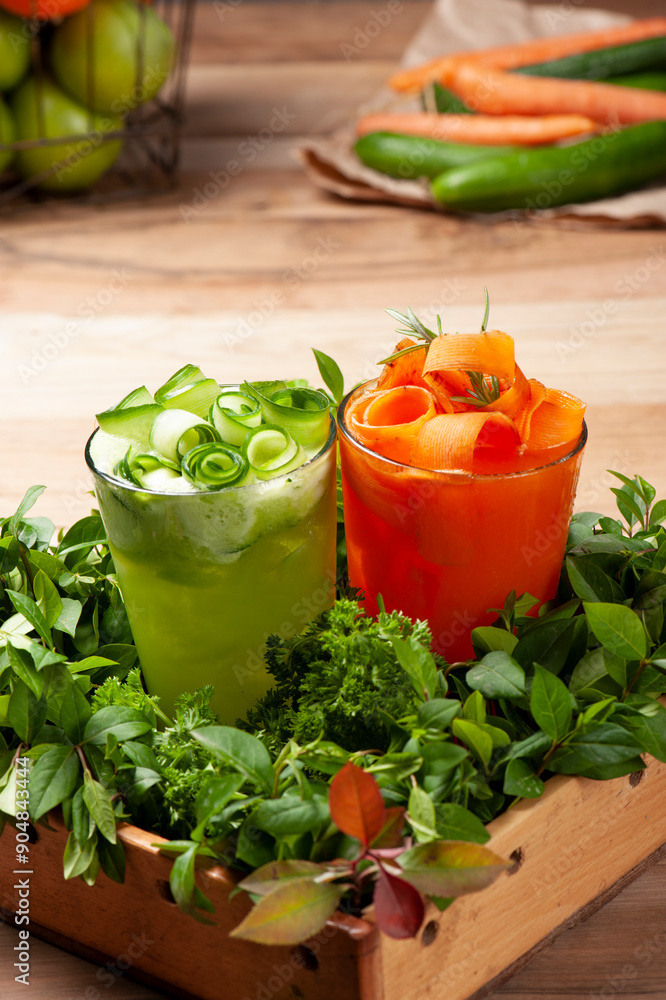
[{"x": 207, "y": 577}]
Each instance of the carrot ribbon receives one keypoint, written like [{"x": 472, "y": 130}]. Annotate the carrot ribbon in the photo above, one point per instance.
[{"x": 426, "y": 413}]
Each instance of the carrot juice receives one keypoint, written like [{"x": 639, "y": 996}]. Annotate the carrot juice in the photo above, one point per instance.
[{"x": 454, "y": 498}]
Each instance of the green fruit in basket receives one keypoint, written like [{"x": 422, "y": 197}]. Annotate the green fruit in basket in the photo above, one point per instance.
[
  {"x": 130, "y": 48},
  {"x": 43, "y": 111},
  {"x": 7, "y": 135},
  {"x": 14, "y": 51}
]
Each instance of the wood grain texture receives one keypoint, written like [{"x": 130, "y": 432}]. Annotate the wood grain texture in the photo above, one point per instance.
[
  {"x": 233, "y": 32},
  {"x": 193, "y": 278},
  {"x": 571, "y": 845},
  {"x": 139, "y": 928}
]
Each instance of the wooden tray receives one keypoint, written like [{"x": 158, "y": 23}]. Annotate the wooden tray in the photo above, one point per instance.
[{"x": 572, "y": 849}]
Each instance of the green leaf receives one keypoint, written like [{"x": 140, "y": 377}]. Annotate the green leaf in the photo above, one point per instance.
[
  {"x": 395, "y": 767},
  {"x": 474, "y": 707},
  {"x": 74, "y": 713},
  {"x": 498, "y": 735},
  {"x": 479, "y": 742},
  {"x": 53, "y": 567},
  {"x": 112, "y": 860},
  {"x": 590, "y": 583},
  {"x": 69, "y": 616},
  {"x": 52, "y": 779},
  {"x": 25, "y": 669},
  {"x": 649, "y": 728},
  {"x": 31, "y": 496},
  {"x": 326, "y": 757},
  {"x": 421, "y": 814},
  {"x": 47, "y": 597},
  {"x": 85, "y": 534},
  {"x": 606, "y": 743},
  {"x": 213, "y": 796},
  {"x": 244, "y": 752},
  {"x": 498, "y": 676},
  {"x": 438, "y": 713},
  {"x": 144, "y": 779},
  {"x": 255, "y": 847},
  {"x": 124, "y": 722},
  {"x": 115, "y": 626},
  {"x": 77, "y": 858},
  {"x": 651, "y": 591},
  {"x": 100, "y": 807},
  {"x": 26, "y": 713},
  {"x": 520, "y": 779},
  {"x": 289, "y": 815},
  {"x": 291, "y": 913},
  {"x": 268, "y": 877},
  {"x": 83, "y": 825},
  {"x": 418, "y": 664},
  {"x": 658, "y": 513},
  {"x": 550, "y": 704},
  {"x": 598, "y": 711},
  {"x": 547, "y": 642},
  {"x": 331, "y": 374},
  {"x": 27, "y": 607},
  {"x": 446, "y": 868},
  {"x": 487, "y": 639},
  {"x": 455, "y": 822},
  {"x": 533, "y": 746},
  {"x": 9, "y": 554},
  {"x": 618, "y": 629},
  {"x": 183, "y": 885},
  {"x": 591, "y": 673},
  {"x": 629, "y": 504}
]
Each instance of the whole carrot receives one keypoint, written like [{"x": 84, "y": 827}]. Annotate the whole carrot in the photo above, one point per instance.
[
  {"x": 526, "y": 53},
  {"x": 491, "y": 130},
  {"x": 496, "y": 93}
]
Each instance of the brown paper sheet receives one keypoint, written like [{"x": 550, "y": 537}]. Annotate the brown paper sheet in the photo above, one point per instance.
[{"x": 451, "y": 26}]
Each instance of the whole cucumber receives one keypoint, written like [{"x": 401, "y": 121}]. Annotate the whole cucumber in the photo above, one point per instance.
[
  {"x": 408, "y": 156},
  {"x": 652, "y": 80},
  {"x": 559, "y": 175},
  {"x": 599, "y": 64}
]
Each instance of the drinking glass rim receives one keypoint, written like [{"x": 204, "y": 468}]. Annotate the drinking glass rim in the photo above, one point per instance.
[
  {"x": 124, "y": 484},
  {"x": 449, "y": 473}
]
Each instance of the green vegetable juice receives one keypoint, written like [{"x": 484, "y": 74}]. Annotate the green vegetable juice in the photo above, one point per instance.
[{"x": 208, "y": 575}]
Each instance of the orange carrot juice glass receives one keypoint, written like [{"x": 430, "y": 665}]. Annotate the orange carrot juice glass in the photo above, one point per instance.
[{"x": 448, "y": 546}]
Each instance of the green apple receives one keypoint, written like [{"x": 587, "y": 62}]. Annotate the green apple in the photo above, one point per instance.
[
  {"x": 14, "y": 51},
  {"x": 7, "y": 135},
  {"x": 71, "y": 165},
  {"x": 132, "y": 51}
]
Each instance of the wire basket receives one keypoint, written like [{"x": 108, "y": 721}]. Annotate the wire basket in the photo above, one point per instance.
[{"x": 143, "y": 127}]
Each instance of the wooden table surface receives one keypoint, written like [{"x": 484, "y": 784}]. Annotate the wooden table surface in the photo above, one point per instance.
[{"x": 272, "y": 266}]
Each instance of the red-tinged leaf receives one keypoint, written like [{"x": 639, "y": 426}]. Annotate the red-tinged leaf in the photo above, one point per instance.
[
  {"x": 266, "y": 878},
  {"x": 399, "y": 907},
  {"x": 390, "y": 834},
  {"x": 451, "y": 867},
  {"x": 290, "y": 913},
  {"x": 356, "y": 804}
]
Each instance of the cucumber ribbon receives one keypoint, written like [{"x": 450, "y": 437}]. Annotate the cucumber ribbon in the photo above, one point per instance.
[
  {"x": 271, "y": 451},
  {"x": 188, "y": 389},
  {"x": 175, "y": 432},
  {"x": 253, "y": 431},
  {"x": 214, "y": 465},
  {"x": 233, "y": 413},
  {"x": 151, "y": 472},
  {"x": 301, "y": 411}
]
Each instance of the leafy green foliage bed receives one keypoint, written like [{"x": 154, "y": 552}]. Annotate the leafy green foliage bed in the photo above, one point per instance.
[{"x": 440, "y": 748}]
